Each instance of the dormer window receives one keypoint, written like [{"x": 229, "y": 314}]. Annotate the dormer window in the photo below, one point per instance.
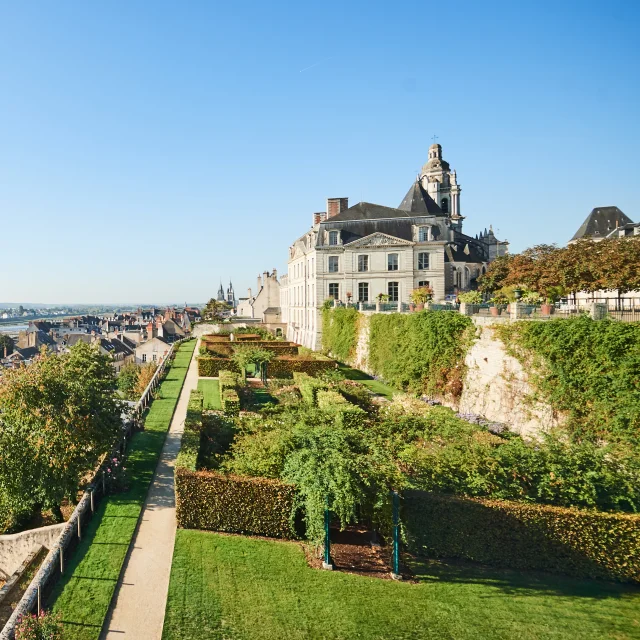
[
  {"x": 444, "y": 205},
  {"x": 423, "y": 234},
  {"x": 333, "y": 238}
]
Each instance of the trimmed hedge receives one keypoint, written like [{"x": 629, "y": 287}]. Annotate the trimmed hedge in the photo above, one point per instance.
[
  {"x": 230, "y": 402},
  {"x": 216, "y": 502},
  {"x": 333, "y": 402},
  {"x": 227, "y": 380},
  {"x": 309, "y": 387},
  {"x": 518, "y": 535},
  {"x": 225, "y": 349},
  {"x": 190, "y": 444},
  {"x": 209, "y": 367},
  {"x": 285, "y": 366}
]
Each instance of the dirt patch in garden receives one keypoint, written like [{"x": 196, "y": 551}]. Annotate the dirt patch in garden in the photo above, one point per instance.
[{"x": 356, "y": 550}]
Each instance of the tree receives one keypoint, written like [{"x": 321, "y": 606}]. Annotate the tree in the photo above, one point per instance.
[
  {"x": 496, "y": 274},
  {"x": 6, "y": 342},
  {"x": 214, "y": 310},
  {"x": 57, "y": 417},
  {"x": 145, "y": 375},
  {"x": 247, "y": 354},
  {"x": 128, "y": 379}
]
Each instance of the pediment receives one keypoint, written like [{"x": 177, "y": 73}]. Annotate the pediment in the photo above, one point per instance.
[{"x": 379, "y": 240}]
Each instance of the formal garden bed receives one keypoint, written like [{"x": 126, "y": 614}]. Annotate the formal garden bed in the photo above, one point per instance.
[
  {"x": 83, "y": 594},
  {"x": 272, "y": 471}
]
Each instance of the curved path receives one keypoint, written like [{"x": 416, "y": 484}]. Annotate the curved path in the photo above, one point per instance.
[{"x": 137, "y": 610}]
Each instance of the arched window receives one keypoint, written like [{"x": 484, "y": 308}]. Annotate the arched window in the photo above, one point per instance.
[{"x": 444, "y": 205}]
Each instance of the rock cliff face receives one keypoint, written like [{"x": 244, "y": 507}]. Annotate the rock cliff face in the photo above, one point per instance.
[{"x": 496, "y": 386}]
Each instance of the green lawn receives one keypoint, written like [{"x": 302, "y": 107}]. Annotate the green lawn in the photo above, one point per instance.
[
  {"x": 374, "y": 385},
  {"x": 248, "y": 589},
  {"x": 83, "y": 594},
  {"x": 211, "y": 391}
]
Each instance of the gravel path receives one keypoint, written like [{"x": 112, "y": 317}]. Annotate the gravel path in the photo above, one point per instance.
[{"x": 141, "y": 595}]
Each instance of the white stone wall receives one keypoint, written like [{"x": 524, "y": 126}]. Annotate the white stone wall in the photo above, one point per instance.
[{"x": 15, "y": 547}]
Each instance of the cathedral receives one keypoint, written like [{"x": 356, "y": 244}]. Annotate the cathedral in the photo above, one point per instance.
[
  {"x": 370, "y": 251},
  {"x": 229, "y": 297}
]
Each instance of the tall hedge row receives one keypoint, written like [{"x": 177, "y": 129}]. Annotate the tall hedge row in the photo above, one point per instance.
[
  {"x": 216, "y": 502},
  {"x": 589, "y": 544},
  {"x": 285, "y": 366},
  {"x": 422, "y": 352},
  {"x": 309, "y": 387},
  {"x": 209, "y": 367}
]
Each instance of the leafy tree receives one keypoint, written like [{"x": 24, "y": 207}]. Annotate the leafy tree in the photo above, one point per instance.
[
  {"x": 214, "y": 310},
  {"x": 6, "y": 342},
  {"x": 57, "y": 417},
  {"x": 244, "y": 355},
  {"x": 496, "y": 274},
  {"x": 127, "y": 380},
  {"x": 145, "y": 375}
]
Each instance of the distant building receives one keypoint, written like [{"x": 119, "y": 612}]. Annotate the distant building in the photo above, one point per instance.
[
  {"x": 606, "y": 222},
  {"x": 368, "y": 250},
  {"x": 265, "y": 305}
]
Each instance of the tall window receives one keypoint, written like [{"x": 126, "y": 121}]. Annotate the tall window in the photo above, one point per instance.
[
  {"x": 392, "y": 288},
  {"x": 334, "y": 290},
  {"x": 423, "y": 283},
  {"x": 363, "y": 292},
  {"x": 333, "y": 264},
  {"x": 363, "y": 263},
  {"x": 392, "y": 262},
  {"x": 333, "y": 238},
  {"x": 423, "y": 260},
  {"x": 144, "y": 357},
  {"x": 444, "y": 205},
  {"x": 423, "y": 234}
]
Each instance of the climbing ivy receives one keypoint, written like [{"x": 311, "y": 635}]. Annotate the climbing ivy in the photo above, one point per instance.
[
  {"x": 422, "y": 352},
  {"x": 586, "y": 368},
  {"x": 339, "y": 331}
]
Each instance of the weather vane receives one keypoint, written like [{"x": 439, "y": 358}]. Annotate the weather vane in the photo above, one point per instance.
[{"x": 434, "y": 138}]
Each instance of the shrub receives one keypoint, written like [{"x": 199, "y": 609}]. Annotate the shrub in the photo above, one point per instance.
[
  {"x": 340, "y": 331},
  {"x": 422, "y": 352},
  {"x": 230, "y": 402},
  {"x": 587, "y": 544},
  {"x": 471, "y": 297},
  {"x": 349, "y": 415},
  {"x": 308, "y": 387},
  {"x": 209, "y": 367},
  {"x": 216, "y": 502},
  {"x": 586, "y": 368},
  {"x": 43, "y": 627},
  {"x": 227, "y": 380}
]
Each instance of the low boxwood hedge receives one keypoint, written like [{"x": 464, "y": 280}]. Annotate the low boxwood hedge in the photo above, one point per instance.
[
  {"x": 334, "y": 402},
  {"x": 190, "y": 445},
  {"x": 227, "y": 380},
  {"x": 518, "y": 535},
  {"x": 216, "y": 502},
  {"x": 308, "y": 386},
  {"x": 230, "y": 402}
]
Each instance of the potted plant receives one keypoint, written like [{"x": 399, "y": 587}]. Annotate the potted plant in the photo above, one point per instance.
[
  {"x": 553, "y": 294},
  {"x": 349, "y": 296},
  {"x": 517, "y": 293},
  {"x": 421, "y": 295},
  {"x": 498, "y": 300}
]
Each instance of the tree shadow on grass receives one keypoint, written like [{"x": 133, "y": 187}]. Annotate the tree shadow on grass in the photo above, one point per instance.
[{"x": 511, "y": 582}]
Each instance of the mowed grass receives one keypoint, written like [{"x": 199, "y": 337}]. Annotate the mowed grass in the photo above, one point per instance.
[
  {"x": 248, "y": 589},
  {"x": 211, "y": 392},
  {"x": 373, "y": 385},
  {"x": 83, "y": 594}
]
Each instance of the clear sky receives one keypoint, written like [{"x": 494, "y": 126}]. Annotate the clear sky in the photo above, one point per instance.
[{"x": 148, "y": 149}]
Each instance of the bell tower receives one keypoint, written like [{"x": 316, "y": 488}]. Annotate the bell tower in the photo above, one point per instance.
[{"x": 441, "y": 183}]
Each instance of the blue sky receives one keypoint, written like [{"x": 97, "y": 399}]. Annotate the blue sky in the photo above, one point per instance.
[{"x": 148, "y": 149}]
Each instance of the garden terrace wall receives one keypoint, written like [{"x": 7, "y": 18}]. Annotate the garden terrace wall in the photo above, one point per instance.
[
  {"x": 588, "y": 544},
  {"x": 216, "y": 502}
]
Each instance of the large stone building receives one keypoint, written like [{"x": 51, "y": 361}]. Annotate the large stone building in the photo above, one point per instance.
[
  {"x": 265, "y": 304},
  {"x": 606, "y": 222},
  {"x": 366, "y": 250}
]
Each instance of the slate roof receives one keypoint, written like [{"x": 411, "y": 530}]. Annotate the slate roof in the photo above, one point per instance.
[
  {"x": 600, "y": 222},
  {"x": 28, "y": 352},
  {"x": 419, "y": 202},
  {"x": 367, "y": 211}
]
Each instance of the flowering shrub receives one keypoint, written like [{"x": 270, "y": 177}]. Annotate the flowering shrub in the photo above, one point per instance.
[
  {"x": 43, "y": 627},
  {"x": 117, "y": 475}
]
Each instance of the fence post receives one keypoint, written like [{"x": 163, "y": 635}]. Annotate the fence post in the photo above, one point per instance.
[
  {"x": 39, "y": 601},
  {"x": 79, "y": 527},
  {"x": 104, "y": 484},
  {"x": 61, "y": 559},
  {"x": 327, "y": 542},
  {"x": 395, "y": 574},
  {"x": 91, "y": 498}
]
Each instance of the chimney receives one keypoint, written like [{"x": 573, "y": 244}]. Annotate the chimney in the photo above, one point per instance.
[
  {"x": 319, "y": 217},
  {"x": 259, "y": 283},
  {"x": 274, "y": 275},
  {"x": 249, "y": 291},
  {"x": 336, "y": 206}
]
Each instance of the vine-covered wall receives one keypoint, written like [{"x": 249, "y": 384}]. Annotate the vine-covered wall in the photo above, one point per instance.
[
  {"x": 340, "y": 331},
  {"x": 588, "y": 369}
]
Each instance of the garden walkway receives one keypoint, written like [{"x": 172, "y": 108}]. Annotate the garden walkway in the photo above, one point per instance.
[{"x": 141, "y": 595}]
